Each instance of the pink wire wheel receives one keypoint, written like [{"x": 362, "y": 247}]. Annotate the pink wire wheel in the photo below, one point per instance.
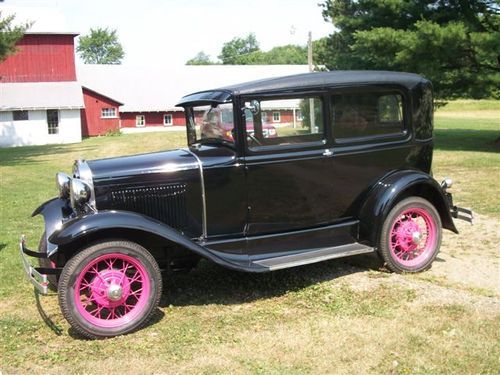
[
  {"x": 112, "y": 290},
  {"x": 413, "y": 237}
]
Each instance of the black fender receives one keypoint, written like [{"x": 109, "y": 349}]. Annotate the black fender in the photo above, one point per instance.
[
  {"x": 77, "y": 228},
  {"x": 391, "y": 189},
  {"x": 54, "y": 212}
]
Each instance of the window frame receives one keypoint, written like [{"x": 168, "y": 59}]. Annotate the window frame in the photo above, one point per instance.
[
  {"x": 276, "y": 119},
  {"x": 165, "y": 123},
  {"x": 50, "y": 129},
  {"x": 399, "y": 137},
  {"x": 24, "y": 112},
  {"x": 299, "y": 116},
  {"x": 137, "y": 125},
  {"x": 321, "y": 144},
  {"x": 108, "y": 116}
]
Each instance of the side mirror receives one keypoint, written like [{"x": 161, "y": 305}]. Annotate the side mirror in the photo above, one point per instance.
[{"x": 253, "y": 107}]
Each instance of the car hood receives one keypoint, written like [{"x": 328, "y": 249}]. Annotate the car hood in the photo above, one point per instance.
[{"x": 119, "y": 168}]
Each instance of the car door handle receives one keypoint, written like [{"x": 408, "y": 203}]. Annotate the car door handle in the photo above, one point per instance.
[{"x": 327, "y": 152}]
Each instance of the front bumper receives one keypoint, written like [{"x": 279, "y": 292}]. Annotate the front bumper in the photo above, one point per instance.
[{"x": 38, "y": 276}]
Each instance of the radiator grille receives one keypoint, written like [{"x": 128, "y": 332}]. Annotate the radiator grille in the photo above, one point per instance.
[{"x": 166, "y": 203}]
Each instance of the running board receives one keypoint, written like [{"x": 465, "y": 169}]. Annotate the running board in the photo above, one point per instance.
[{"x": 313, "y": 256}]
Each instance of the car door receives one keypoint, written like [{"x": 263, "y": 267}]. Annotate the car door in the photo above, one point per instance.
[
  {"x": 371, "y": 139},
  {"x": 288, "y": 164}
]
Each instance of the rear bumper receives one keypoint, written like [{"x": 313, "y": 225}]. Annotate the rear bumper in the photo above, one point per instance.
[
  {"x": 38, "y": 276},
  {"x": 462, "y": 214}
]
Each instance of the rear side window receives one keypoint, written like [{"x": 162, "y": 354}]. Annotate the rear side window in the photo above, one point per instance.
[{"x": 367, "y": 114}]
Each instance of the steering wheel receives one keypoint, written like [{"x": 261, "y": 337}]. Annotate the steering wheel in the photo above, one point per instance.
[{"x": 254, "y": 139}]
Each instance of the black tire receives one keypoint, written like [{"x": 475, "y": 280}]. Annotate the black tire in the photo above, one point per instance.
[
  {"x": 410, "y": 223},
  {"x": 94, "y": 289},
  {"x": 46, "y": 263}
]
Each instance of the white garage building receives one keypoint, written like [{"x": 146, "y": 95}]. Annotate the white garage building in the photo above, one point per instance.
[{"x": 37, "y": 113}]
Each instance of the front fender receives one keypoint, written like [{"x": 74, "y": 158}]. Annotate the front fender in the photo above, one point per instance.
[
  {"x": 392, "y": 188},
  {"x": 78, "y": 228},
  {"x": 54, "y": 212}
]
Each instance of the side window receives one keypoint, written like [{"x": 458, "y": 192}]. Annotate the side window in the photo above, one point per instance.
[
  {"x": 284, "y": 122},
  {"x": 367, "y": 114},
  {"x": 53, "y": 121},
  {"x": 140, "y": 121}
]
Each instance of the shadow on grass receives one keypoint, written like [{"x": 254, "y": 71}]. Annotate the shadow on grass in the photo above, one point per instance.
[
  {"x": 15, "y": 156},
  {"x": 46, "y": 318},
  {"x": 467, "y": 140},
  {"x": 157, "y": 317},
  {"x": 2, "y": 246},
  {"x": 212, "y": 284}
]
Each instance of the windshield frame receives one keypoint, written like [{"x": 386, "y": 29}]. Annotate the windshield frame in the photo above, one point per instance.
[{"x": 191, "y": 126}]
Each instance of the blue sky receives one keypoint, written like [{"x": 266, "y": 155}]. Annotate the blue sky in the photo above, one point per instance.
[{"x": 170, "y": 32}]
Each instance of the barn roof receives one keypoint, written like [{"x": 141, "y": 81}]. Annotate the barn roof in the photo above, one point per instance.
[
  {"x": 40, "y": 95},
  {"x": 159, "y": 89}
]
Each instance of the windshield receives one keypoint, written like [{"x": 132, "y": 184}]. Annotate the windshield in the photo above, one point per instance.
[{"x": 211, "y": 124}]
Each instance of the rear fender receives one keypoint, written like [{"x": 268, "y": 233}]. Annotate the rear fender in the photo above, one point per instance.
[{"x": 390, "y": 190}]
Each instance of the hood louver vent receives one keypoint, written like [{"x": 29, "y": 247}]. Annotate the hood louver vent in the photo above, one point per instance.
[{"x": 166, "y": 203}]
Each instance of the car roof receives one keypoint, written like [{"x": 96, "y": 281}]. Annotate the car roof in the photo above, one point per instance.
[
  {"x": 309, "y": 80},
  {"x": 321, "y": 79}
]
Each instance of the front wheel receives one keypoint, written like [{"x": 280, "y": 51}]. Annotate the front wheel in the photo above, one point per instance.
[
  {"x": 109, "y": 289},
  {"x": 411, "y": 236}
]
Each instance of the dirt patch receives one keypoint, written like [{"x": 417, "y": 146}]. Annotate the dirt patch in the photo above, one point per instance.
[{"x": 471, "y": 258}]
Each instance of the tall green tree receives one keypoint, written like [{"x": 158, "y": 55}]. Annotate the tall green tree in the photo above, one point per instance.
[
  {"x": 455, "y": 43},
  {"x": 101, "y": 46},
  {"x": 10, "y": 34},
  {"x": 237, "y": 49}
]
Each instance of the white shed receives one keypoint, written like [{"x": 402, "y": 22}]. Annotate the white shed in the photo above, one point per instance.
[{"x": 37, "y": 113}]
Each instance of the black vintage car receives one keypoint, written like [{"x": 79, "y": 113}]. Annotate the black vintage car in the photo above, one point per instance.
[{"x": 347, "y": 171}]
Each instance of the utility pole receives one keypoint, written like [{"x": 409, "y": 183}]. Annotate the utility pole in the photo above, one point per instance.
[
  {"x": 311, "y": 100},
  {"x": 310, "y": 52}
]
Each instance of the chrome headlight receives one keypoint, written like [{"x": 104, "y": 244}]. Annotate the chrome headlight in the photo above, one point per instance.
[
  {"x": 62, "y": 183},
  {"x": 80, "y": 192}
]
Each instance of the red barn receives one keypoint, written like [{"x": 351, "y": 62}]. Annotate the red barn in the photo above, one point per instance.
[
  {"x": 100, "y": 115},
  {"x": 41, "y": 57},
  {"x": 40, "y": 100}
]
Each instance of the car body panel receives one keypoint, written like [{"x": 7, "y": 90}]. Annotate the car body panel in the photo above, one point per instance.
[{"x": 238, "y": 205}]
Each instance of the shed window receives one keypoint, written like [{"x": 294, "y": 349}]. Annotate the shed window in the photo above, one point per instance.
[
  {"x": 276, "y": 117},
  {"x": 108, "y": 112},
  {"x": 53, "y": 121},
  {"x": 140, "y": 121},
  {"x": 367, "y": 114},
  {"x": 299, "y": 115},
  {"x": 20, "y": 115},
  {"x": 167, "y": 120}
]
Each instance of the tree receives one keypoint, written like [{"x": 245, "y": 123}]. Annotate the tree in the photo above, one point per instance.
[
  {"x": 246, "y": 51},
  {"x": 201, "y": 58},
  {"x": 285, "y": 55},
  {"x": 100, "y": 47},
  {"x": 236, "y": 51},
  {"x": 455, "y": 43},
  {"x": 10, "y": 35}
]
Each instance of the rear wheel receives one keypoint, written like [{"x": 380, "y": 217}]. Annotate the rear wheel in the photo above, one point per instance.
[
  {"x": 110, "y": 289},
  {"x": 411, "y": 236}
]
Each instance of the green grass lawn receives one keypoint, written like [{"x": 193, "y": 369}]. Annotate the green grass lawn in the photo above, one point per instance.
[{"x": 292, "y": 321}]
